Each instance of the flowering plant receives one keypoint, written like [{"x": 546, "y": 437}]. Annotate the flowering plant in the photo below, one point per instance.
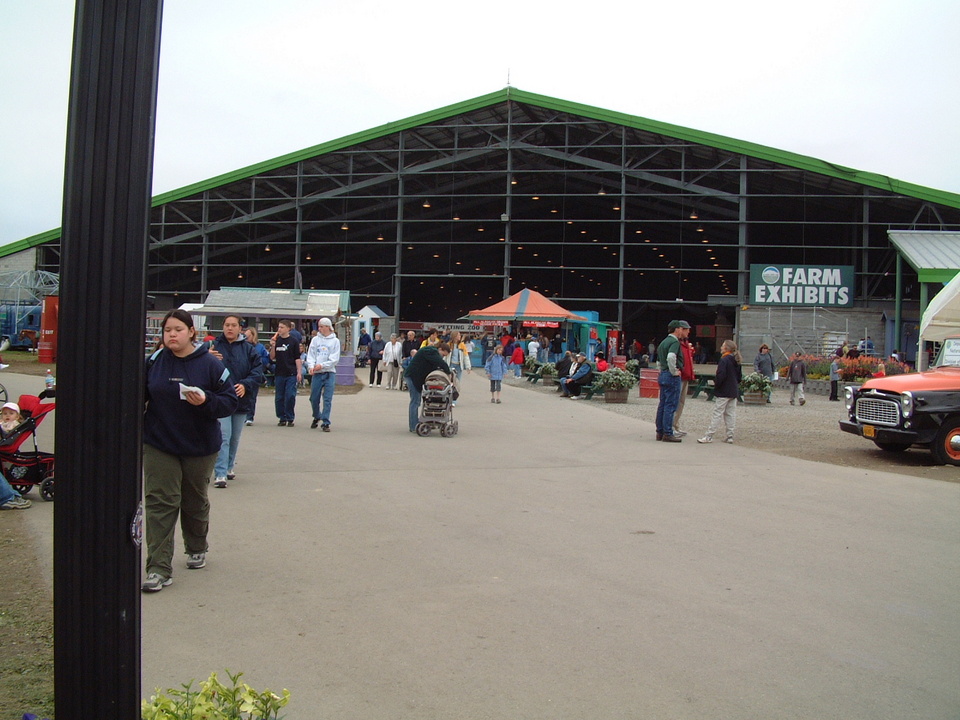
[
  {"x": 616, "y": 379},
  {"x": 755, "y": 382},
  {"x": 215, "y": 701}
]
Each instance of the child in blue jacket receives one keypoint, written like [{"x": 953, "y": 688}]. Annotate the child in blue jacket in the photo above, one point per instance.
[{"x": 496, "y": 367}]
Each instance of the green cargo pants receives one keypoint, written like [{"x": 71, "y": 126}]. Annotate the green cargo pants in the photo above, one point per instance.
[{"x": 173, "y": 486}]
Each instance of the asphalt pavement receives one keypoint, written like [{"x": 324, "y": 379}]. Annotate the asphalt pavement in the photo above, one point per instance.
[{"x": 554, "y": 561}]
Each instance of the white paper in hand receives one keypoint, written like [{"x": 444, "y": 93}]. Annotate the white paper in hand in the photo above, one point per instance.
[{"x": 184, "y": 389}]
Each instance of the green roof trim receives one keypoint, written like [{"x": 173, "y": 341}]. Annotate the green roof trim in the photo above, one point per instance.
[{"x": 720, "y": 142}]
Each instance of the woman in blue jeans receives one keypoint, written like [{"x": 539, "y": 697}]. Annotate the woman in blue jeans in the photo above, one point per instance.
[{"x": 246, "y": 374}]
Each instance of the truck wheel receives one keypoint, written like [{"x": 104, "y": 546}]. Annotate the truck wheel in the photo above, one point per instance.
[
  {"x": 892, "y": 447},
  {"x": 946, "y": 446}
]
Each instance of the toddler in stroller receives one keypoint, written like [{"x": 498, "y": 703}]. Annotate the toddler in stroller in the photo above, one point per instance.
[
  {"x": 436, "y": 405},
  {"x": 24, "y": 470}
]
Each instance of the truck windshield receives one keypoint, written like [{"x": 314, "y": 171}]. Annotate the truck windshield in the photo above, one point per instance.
[{"x": 949, "y": 353}]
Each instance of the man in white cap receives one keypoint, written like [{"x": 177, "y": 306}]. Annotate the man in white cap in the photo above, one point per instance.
[
  {"x": 670, "y": 362},
  {"x": 322, "y": 357}
]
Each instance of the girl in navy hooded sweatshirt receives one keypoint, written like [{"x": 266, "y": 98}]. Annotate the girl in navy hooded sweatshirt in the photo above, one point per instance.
[{"x": 188, "y": 390}]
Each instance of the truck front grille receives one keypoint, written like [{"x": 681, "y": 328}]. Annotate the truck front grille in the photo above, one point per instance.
[{"x": 878, "y": 412}]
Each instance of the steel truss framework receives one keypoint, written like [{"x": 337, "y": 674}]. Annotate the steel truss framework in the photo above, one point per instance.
[{"x": 443, "y": 216}]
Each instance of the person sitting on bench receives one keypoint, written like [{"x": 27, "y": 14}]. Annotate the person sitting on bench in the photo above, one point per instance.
[{"x": 581, "y": 373}]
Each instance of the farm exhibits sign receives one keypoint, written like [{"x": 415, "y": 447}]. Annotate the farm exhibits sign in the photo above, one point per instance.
[{"x": 829, "y": 286}]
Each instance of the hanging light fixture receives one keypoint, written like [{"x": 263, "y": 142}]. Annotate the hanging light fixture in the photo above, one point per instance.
[
  {"x": 195, "y": 269},
  {"x": 380, "y": 236},
  {"x": 693, "y": 215},
  {"x": 344, "y": 226},
  {"x": 699, "y": 228},
  {"x": 267, "y": 248},
  {"x": 240, "y": 275},
  {"x": 426, "y": 203},
  {"x": 309, "y": 257}
]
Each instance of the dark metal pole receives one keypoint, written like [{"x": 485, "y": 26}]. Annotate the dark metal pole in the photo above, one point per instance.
[{"x": 107, "y": 183}]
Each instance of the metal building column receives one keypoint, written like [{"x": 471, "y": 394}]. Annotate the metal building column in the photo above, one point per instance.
[
  {"x": 623, "y": 228},
  {"x": 398, "y": 243},
  {"x": 898, "y": 303},
  {"x": 508, "y": 206},
  {"x": 298, "y": 232},
  {"x": 865, "y": 247},
  {"x": 742, "y": 268},
  {"x": 106, "y": 216},
  {"x": 205, "y": 244}
]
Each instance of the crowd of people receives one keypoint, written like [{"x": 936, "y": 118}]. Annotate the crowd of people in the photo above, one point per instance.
[{"x": 200, "y": 394}]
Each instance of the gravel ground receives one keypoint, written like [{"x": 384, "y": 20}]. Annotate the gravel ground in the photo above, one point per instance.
[{"x": 810, "y": 431}]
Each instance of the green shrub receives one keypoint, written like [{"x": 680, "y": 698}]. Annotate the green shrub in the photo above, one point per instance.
[
  {"x": 615, "y": 379},
  {"x": 214, "y": 701}
]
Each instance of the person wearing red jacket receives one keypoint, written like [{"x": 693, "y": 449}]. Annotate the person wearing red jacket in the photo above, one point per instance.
[
  {"x": 601, "y": 362},
  {"x": 517, "y": 360},
  {"x": 686, "y": 375}
]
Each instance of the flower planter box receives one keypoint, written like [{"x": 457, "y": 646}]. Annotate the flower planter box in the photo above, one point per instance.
[
  {"x": 615, "y": 395},
  {"x": 754, "y": 398}
]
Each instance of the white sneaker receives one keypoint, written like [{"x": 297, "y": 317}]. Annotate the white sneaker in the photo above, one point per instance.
[
  {"x": 195, "y": 561},
  {"x": 679, "y": 433},
  {"x": 155, "y": 582},
  {"x": 576, "y": 397},
  {"x": 16, "y": 503},
  {"x": 231, "y": 474},
  {"x": 704, "y": 440},
  {"x": 220, "y": 482},
  {"x": 729, "y": 441},
  {"x": 248, "y": 423}
]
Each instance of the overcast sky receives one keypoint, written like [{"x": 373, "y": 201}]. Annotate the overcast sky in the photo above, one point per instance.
[{"x": 873, "y": 85}]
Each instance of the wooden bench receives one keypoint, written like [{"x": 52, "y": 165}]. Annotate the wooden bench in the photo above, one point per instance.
[
  {"x": 537, "y": 374},
  {"x": 588, "y": 391}
]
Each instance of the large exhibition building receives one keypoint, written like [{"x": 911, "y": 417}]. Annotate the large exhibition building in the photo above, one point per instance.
[{"x": 451, "y": 210}]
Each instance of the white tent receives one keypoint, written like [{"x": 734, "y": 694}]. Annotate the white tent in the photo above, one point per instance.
[{"x": 942, "y": 316}]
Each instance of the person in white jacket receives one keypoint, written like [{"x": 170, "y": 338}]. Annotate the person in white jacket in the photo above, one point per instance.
[
  {"x": 392, "y": 355},
  {"x": 322, "y": 357},
  {"x": 459, "y": 357}
]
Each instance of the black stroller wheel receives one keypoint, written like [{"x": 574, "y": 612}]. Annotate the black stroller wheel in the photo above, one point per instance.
[
  {"x": 46, "y": 489},
  {"x": 22, "y": 489},
  {"x": 3, "y": 394},
  {"x": 423, "y": 429}
]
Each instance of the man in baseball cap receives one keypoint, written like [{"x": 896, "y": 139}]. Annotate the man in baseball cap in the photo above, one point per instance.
[
  {"x": 322, "y": 357},
  {"x": 670, "y": 363}
]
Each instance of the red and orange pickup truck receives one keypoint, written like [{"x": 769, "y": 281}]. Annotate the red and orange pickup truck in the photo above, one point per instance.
[{"x": 900, "y": 411}]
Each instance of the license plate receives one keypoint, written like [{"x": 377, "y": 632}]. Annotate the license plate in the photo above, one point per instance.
[{"x": 869, "y": 431}]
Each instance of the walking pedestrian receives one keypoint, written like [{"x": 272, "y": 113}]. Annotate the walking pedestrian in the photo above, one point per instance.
[
  {"x": 322, "y": 357},
  {"x": 376, "y": 355},
  {"x": 285, "y": 353},
  {"x": 188, "y": 391},
  {"x": 246, "y": 374},
  {"x": 763, "y": 364},
  {"x": 798, "y": 376},
  {"x": 427, "y": 359}
]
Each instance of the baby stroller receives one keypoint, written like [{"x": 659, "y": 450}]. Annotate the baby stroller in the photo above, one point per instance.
[
  {"x": 436, "y": 405},
  {"x": 24, "y": 470}
]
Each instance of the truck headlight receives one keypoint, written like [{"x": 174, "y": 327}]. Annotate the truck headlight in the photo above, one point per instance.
[
  {"x": 848, "y": 397},
  {"x": 906, "y": 404}
]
